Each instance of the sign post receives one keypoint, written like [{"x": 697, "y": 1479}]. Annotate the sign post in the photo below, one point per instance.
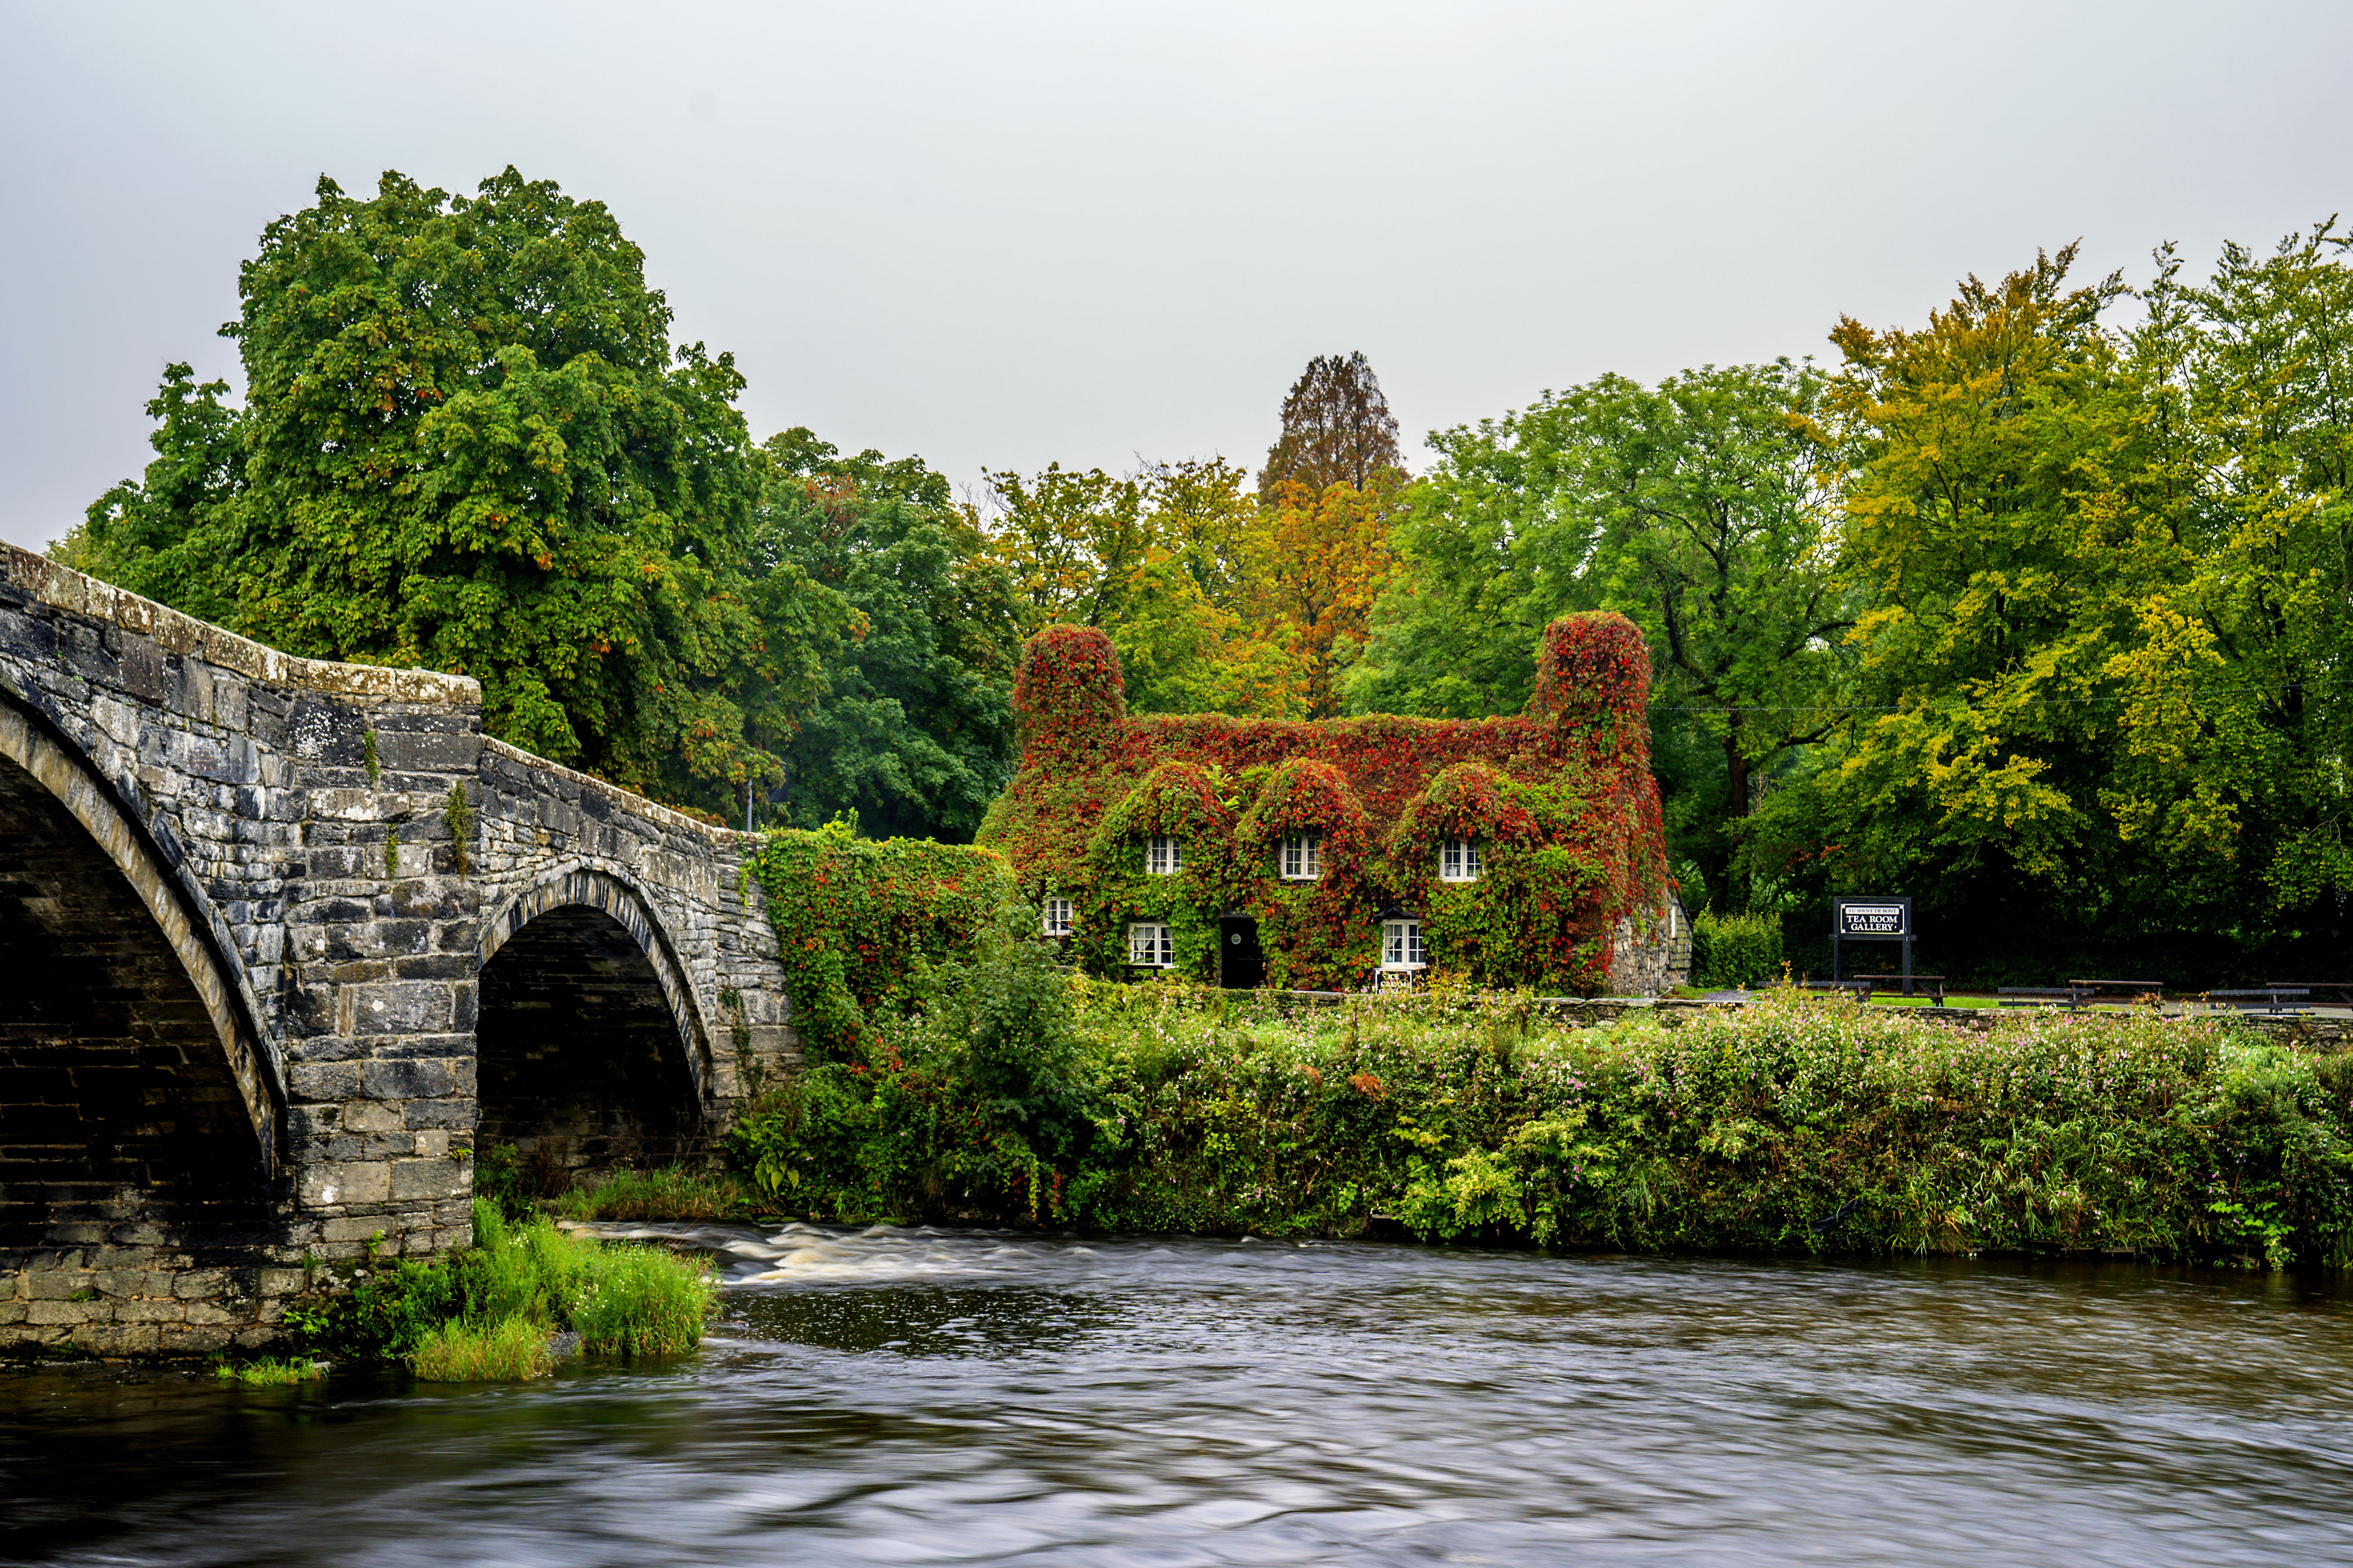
[{"x": 1872, "y": 920}]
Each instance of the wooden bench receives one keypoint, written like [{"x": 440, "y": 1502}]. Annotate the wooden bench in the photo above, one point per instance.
[
  {"x": 2078, "y": 995},
  {"x": 2261, "y": 999},
  {"x": 2331, "y": 992},
  {"x": 1862, "y": 985},
  {"x": 1935, "y": 983}
]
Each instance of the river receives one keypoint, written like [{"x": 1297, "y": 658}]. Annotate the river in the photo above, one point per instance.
[{"x": 955, "y": 1397}]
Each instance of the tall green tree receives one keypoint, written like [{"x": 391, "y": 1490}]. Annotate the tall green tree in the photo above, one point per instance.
[
  {"x": 2100, "y": 711},
  {"x": 916, "y": 733},
  {"x": 2242, "y": 680},
  {"x": 1073, "y": 541},
  {"x": 1699, "y": 509},
  {"x": 2002, "y": 498},
  {"x": 467, "y": 443}
]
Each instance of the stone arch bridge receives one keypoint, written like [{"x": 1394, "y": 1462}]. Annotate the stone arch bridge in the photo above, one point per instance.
[{"x": 281, "y": 941}]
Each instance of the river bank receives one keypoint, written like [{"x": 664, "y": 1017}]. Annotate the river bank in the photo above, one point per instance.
[{"x": 1800, "y": 1124}]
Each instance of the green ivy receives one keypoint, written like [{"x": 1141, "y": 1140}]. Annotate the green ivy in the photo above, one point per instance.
[
  {"x": 1560, "y": 800},
  {"x": 859, "y": 922}
]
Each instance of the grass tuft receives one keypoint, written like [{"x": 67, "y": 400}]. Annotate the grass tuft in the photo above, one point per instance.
[
  {"x": 673, "y": 1193},
  {"x": 271, "y": 1371},
  {"x": 640, "y": 1301},
  {"x": 508, "y": 1348}
]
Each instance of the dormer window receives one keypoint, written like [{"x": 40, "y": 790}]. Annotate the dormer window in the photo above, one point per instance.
[
  {"x": 1457, "y": 860},
  {"x": 1058, "y": 917},
  {"x": 1164, "y": 856},
  {"x": 1402, "y": 951},
  {"x": 1303, "y": 857}
]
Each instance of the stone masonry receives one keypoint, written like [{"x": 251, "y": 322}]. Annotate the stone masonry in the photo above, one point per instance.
[{"x": 252, "y": 910}]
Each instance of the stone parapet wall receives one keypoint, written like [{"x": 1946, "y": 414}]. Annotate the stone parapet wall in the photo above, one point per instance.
[
  {"x": 235, "y": 787},
  {"x": 542, "y": 824},
  {"x": 317, "y": 848}
]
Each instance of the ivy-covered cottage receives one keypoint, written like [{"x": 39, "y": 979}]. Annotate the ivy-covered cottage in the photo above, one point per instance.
[{"x": 1518, "y": 851}]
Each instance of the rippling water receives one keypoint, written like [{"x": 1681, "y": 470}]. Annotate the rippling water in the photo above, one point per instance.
[{"x": 927, "y": 1397}]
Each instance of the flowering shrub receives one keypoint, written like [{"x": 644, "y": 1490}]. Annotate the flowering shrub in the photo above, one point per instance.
[
  {"x": 1580, "y": 826},
  {"x": 1795, "y": 1125}
]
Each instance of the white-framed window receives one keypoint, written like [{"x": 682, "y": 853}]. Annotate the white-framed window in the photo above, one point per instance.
[
  {"x": 1164, "y": 856},
  {"x": 1150, "y": 946},
  {"x": 1457, "y": 860},
  {"x": 1058, "y": 917},
  {"x": 1303, "y": 857},
  {"x": 1401, "y": 947}
]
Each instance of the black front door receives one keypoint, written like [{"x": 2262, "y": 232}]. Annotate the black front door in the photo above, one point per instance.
[{"x": 1241, "y": 966}]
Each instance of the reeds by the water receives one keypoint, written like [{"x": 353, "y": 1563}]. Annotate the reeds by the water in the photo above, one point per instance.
[
  {"x": 271, "y": 1371},
  {"x": 673, "y": 1193},
  {"x": 520, "y": 1285},
  {"x": 502, "y": 1349}
]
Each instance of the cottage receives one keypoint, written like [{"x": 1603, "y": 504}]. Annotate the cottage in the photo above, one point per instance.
[{"x": 1325, "y": 855}]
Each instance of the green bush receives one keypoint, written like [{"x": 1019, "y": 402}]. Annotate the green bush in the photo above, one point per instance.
[
  {"x": 1797, "y": 1124},
  {"x": 639, "y": 1301},
  {"x": 620, "y": 1299},
  {"x": 1735, "y": 950},
  {"x": 519, "y": 1283},
  {"x": 977, "y": 1102}
]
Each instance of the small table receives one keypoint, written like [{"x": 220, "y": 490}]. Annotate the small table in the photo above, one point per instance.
[{"x": 1903, "y": 982}]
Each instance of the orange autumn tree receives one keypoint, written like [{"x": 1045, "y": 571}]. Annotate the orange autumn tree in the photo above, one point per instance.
[{"x": 1322, "y": 560}]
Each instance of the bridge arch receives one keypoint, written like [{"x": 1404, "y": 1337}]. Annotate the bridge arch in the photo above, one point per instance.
[
  {"x": 591, "y": 1046},
  {"x": 133, "y": 1082}
]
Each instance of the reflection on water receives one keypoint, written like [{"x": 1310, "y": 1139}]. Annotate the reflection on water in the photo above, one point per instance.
[{"x": 926, "y": 1396}]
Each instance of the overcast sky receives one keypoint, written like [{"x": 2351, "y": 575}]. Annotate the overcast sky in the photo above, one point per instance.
[{"x": 1001, "y": 235}]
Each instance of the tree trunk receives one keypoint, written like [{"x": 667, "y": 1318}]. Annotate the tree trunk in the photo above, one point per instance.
[{"x": 1736, "y": 805}]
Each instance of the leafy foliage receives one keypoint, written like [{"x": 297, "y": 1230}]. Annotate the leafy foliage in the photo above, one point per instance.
[
  {"x": 860, "y": 923},
  {"x": 2107, "y": 590},
  {"x": 1798, "y": 1125},
  {"x": 468, "y": 444},
  {"x": 1697, "y": 507},
  {"x": 1337, "y": 430},
  {"x": 1326, "y": 559},
  {"x": 978, "y": 1101},
  {"x": 488, "y": 1311},
  {"x": 914, "y": 733},
  {"x": 1173, "y": 565},
  {"x": 1735, "y": 950}
]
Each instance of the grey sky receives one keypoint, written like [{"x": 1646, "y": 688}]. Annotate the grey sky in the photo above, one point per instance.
[{"x": 998, "y": 235}]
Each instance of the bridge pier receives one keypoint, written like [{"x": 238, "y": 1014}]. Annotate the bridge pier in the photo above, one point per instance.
[{"x": 247, "y": 942}]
